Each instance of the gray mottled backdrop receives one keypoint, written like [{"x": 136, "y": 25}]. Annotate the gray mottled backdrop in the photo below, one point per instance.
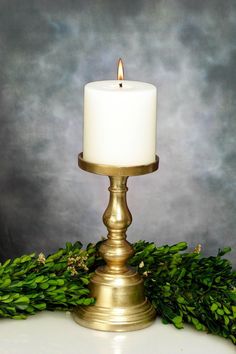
[{"x": 48, "y": 51}]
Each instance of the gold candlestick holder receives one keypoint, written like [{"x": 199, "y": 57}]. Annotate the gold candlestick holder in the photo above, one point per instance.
[{"x": 118, "y": 289}]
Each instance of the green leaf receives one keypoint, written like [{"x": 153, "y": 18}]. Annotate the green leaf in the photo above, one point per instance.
[
  {"x": 60, "y": 282},
  {"x": 5, "y": 264},
  {"x": 52, "y": 281},
  {"x": 84, "y": 280},
  {"x": 6, "y": 300},
  {"x": 165, "y": 321},
  {"x": 88, "y": 301},
  {"x": 181, "y": 300},
  {"x": 5, "y": 283},
  {"x": 226, "y": 319},
  {"x": 44, "y": 286},
  {"x": 41, "y": 306},
  {"x": 177, "y": 319},
  {"x": 179, "y": 247},
  {"x": 220, "y": 312},
  {"x": 234, "y": 311},
  {"x": 22, "y": 306},
  {"x": 22, "y": 299},
  {"x": 224, "y": 251},
  {"x": 55, "y": 256},
  {"x": 39, "y": 279},
  {"x": 207, "y": 281},
  {"x": 226, "y": 310},
  {"x": 214, "y": 307},
  {"x": 68, "y": 246},
  {"x": 19, "y": 317},
  {"x": 24, "y": 259}
]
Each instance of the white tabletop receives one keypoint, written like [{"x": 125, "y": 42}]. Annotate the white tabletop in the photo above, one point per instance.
[{"x": 57, "y": 333}]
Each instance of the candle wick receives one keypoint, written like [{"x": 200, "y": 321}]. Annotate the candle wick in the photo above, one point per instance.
[{"x": 120, "y": 84}]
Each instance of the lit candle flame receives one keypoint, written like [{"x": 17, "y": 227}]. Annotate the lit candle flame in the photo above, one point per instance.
[{"x": 120, "y": 70}]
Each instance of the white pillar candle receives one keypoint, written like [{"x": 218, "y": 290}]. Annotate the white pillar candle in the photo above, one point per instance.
[{"x": 119, "y": 123}]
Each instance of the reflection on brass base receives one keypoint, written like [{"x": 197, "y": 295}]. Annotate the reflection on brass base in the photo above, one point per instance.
[
  {"x": 119, "y": 291},
  {"x": 120, "y": 303}
]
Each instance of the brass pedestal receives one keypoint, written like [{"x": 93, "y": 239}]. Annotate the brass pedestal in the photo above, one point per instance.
[{"x": 120, "y": 301}]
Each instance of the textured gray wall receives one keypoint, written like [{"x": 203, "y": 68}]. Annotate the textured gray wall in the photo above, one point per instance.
[{"x": 48, "y": 51}]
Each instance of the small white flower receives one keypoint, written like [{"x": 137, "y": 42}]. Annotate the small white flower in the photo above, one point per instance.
[
  {"x": 145, "y": 274},
  {"x": 41, "y": 258},
  {"x": 198, "y": 248},
  {"x": 141, "y": 264}
]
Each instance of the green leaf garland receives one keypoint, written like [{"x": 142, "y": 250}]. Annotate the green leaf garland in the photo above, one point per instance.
[{"x": 184, "y": 287}]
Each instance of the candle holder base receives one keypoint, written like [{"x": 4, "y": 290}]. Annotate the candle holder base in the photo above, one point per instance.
[{"x": 120, "y": 303}]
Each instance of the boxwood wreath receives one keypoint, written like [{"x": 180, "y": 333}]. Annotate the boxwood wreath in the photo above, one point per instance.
[{"x": 183, "y": 286}]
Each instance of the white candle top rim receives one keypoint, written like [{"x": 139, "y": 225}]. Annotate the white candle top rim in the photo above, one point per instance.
[{"x": 113, "y": 86}]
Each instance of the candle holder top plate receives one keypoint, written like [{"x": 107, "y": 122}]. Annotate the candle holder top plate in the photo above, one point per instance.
[{"x": 109, "y": 170}]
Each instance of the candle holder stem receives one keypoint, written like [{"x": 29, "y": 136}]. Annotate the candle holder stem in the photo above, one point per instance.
[
  {"x": 120, "y": 304},
  {"x": 117, "y": 217}
]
